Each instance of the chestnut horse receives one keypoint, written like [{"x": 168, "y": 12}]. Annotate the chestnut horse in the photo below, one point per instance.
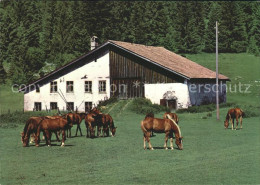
[
  {"x": 172, "y": 116},
  {"x": 76, "y": 119},
  {"x": 231, "y": 115},
  {"x": 108, "y": 123},
  {"x": 30, "y": 129},
  {"x": 92, "y": 119},
  {"x": 52, "y": 125},
  {"x": 167, "y": 126}
]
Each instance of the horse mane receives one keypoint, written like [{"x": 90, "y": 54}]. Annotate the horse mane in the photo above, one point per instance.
[
  {"x": 227, "y": 116},
  {"x": 149, "y": 115},
  {"x": 26, "y": 126},
  {"x": 174, "y": 124}
]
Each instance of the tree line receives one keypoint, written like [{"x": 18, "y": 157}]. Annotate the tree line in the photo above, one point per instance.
[{"x": 39, "y": 36}]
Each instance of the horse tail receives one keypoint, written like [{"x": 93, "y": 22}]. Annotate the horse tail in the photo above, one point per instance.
[
  {"x": 243, "y": 113},
  {"x": 143, "y": 128}
]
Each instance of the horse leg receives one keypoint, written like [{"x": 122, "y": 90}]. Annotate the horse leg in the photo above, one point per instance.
[
  {"x": 237, "y": 122},
  {"x": 99, "y": 131},
  {"x": 48, "y": 137},
  {"x": 57, "y": 137},
  {"x": 149, "y": 142},
  {"x": 80, "y": 130},
  {"x": 166, "y": 140},
  {"x": 77, "y": 130},
  {"x": 241, "y": 119},
  {"x": 171, "y": 140},
  {"x": 63, "y": 138},
  {"x": 144, "y": 143},
  {"x": 232, "y": 123}
]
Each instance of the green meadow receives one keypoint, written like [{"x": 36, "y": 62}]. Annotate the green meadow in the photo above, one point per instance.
[{"x": 211, "y": 154}]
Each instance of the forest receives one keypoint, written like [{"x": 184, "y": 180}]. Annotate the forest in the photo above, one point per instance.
[{"x": 38, "y": 36}]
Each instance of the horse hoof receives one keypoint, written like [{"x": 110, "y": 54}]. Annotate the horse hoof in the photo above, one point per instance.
[
  {"x": 49, "y": 145},
  {"x": 152, "y": 149},
  {"x": 171, "y": 148},
  {"x": 37, "y": 145},
  {"x": 166, "y": 148}
]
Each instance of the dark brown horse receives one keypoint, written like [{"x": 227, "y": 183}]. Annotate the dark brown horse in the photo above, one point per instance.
[
  {"x": 92, "y": 119},
  {"x": 30, "y": 129},
  {"x": 167, "y": 126},
  {"x": 108, "y": 123},
  {"x": 52, "y": 125},
  {"x": 231, "y": 115},
  {"x": 76, "y": 119},
  {"x": 172, "y": 116}
]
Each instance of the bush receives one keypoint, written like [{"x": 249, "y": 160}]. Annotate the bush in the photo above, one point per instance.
[
  {"x": 144, "y": 106},
  {"x": 106, "y": 102},
  {"x": 205, "y": 108},
  {"x": 11, "y": 120}
]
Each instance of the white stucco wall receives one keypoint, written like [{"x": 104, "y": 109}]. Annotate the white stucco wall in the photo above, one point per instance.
[
  {"x": 95, "y": 72},
  {"x": 155, "y": 92}
]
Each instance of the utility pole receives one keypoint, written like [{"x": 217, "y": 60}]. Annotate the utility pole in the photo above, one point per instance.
[{"x": 217, "y": 98}]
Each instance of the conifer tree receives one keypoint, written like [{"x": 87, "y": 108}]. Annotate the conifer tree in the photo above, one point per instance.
[{"x": 210, "y": 34}]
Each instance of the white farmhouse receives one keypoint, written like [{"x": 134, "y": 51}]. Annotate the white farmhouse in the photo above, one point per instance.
[{"x": 124, "y": 70}]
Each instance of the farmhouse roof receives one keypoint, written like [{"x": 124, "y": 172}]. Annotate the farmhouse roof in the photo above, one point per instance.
[
  {"x": 170, "y": 60},
  {"x": 156, "y": 55}
]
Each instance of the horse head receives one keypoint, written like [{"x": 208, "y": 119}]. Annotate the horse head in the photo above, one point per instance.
[
  {"x": 149, "y": 115},
  {"x": 113, "y": 130},
  {"x": 226, "y": 124},
  {"x": 178, "y": 142}
]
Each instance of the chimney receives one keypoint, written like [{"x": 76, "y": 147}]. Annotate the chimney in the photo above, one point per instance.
[{"x": 93, "y": 42}]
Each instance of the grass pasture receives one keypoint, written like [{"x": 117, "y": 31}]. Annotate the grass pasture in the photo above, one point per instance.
[{"x": 211, "y": 155}]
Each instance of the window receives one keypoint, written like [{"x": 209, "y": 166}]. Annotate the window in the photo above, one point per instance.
[
  {"x": 69, "y": 88},
  {"x": 37, "y": 106},
  {"x": 53, "y": 105},
  {"x": 70, "y": 106},
  {"x": 102, "y": 86},
  {"x": 88, "y": 86},
  {"x": 54, "y": 87},
  {"x": 88, "y": 106},
  {"x": 37, "y": 88}
]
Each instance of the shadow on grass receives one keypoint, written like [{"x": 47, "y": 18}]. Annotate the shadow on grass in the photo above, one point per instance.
[{"x": 54, "y": 145}]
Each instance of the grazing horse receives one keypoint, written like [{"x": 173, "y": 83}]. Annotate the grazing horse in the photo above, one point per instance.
[
  {"x": 30, "y": 129},
  {"x": 167, "y": 126},
  {"x": 107, "y": 122},
  {"x": 172, "y": 116},
  {"x": 76, "y": 119},
  {"x": 52, "y": 125},
  {"x": 92, "y": 119},
  {"x": 231, "y": 115}
]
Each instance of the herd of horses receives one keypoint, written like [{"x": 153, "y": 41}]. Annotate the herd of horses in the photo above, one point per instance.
[
  {"x": 169, "y": 125},
  {"x": 60, "y": 124}
]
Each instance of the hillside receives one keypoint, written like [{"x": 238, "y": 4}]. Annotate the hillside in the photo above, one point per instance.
[{"x": 240, "y": 68}]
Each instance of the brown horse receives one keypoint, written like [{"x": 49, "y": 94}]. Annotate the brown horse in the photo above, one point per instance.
[
  {"x": 76, "y": 119},
  {"x": 231, "y": 115},
  {"x": 52, "y": 125},
  {"x": 30, "y": 129},
  {"x": 108, "y": 123},
  {"x": 172, "y": 116},
  {"x": 167, "y": 126},
  {"x": 92, "y": 119}
]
